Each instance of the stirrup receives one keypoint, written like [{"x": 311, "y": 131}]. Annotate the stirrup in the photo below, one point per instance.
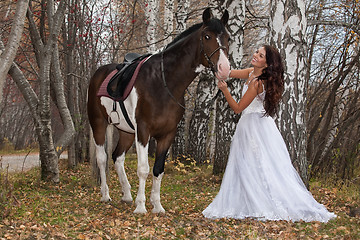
[{"x": 116, "y": 116}]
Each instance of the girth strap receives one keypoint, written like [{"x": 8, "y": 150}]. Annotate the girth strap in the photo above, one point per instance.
[{"x": 123, "y": 110}]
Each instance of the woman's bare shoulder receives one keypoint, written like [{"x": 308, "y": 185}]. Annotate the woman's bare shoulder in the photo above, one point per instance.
[{"x": 258, "y": 85}]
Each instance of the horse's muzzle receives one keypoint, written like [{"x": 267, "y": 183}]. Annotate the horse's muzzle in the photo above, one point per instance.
[{"x": 223, "y": 66}]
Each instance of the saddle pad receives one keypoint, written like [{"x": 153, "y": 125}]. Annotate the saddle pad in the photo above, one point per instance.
[
  {"x": 103, "y": 88},
  {"x": 102, "y": 92}
]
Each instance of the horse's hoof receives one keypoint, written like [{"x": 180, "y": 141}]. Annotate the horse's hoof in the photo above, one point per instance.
[
  {"x": 127, "y": 201},
  {"x": 106, "y": 199},
  {"x": 158, "y": 210},
  {"x": 140, "y": 210}
]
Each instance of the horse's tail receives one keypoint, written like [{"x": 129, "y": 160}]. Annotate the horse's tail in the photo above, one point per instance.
[{"x": 108, "y": 148}]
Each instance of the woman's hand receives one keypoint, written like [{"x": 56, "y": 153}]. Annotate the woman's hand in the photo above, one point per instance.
[
  {"x": 222, "y": 85},
  {"x": 222, "y": 78}
]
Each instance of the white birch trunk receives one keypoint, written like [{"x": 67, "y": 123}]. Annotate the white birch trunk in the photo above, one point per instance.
[
  {"x": 181, "y": 15},
  {"x": 180, "y": 142},
  {"x": 199, "y": 124},
  {"x": 287, "y": 33},
  {"x": 168, "y": 20},
  {"x": 226, "y": 119},
  {"x": 8, "y": 53},
  {"x": 40, "y": 105},
  {"x": 338, "y": 115},
  {"x": 58, "y": 86},
  {"x": 151, "y": 13}
]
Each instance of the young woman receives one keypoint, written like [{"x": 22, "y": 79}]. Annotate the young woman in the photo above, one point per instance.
[{"x": 260, "y": 181}]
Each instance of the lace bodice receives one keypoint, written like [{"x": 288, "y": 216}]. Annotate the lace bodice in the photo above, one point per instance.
[{"x": 257, "y": 105}]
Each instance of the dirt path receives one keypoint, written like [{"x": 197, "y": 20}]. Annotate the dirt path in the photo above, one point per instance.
[{"x": 22, "y": 162}]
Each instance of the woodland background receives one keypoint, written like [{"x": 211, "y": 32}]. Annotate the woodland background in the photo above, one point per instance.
[
  {"x": 43, "y": 102},
  {"x": 50, "y": 48}
]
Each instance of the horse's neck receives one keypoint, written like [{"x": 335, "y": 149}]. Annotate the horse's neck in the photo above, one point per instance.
[{"x": 182, "y": 62}]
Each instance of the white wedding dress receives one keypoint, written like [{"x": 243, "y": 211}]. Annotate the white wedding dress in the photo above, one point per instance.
[{"x": 260, "y": 181}]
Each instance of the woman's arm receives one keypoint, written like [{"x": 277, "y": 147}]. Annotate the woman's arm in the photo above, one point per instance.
[
  {"x": 248, "y": 97},
  {"x": 236, "y": 73},
  {"x": 240, "y": 73}
]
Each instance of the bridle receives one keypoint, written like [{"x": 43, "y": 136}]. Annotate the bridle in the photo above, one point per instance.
[
  {"x": 211, "y": 65},
  {"x": 208, "y": 58}
]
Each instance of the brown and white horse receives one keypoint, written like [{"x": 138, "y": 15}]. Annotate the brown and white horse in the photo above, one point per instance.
[{"x": 154, "y": 105}]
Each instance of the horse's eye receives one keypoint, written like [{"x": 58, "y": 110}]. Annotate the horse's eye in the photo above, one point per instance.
[{"x": 207, "y": 37}]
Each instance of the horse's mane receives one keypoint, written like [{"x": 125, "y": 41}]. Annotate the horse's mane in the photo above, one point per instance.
[
  {"x": 184, "y": 34},
  {"x": 214, "y": 25}
]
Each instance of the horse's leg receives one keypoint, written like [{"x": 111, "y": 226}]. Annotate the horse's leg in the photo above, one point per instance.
[
  {"x": 162, "y": 148},
  {"x": 99, "y": 132},
  {"x": 142, "y": 145},
  {"x": 125, "y": 142},
  {"x": 101, "y": 159}
]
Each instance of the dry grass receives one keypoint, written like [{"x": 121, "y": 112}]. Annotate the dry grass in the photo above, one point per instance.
[{"x": 32, "y": 209}]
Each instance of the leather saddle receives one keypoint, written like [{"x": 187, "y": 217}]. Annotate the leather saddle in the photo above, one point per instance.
[{"x": 120, "y": 80}]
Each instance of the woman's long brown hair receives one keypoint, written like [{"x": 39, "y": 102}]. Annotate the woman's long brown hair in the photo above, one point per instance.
[{"x": 273, "y": 79}]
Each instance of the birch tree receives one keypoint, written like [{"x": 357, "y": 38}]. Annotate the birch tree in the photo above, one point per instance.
[
  {"x": 333, "y": 118},
  {"x": 226, "y": 120},
  {"x": 44, "y": 46},
  {"x": 200, "y": 128},
  {"x": 181, "y": 15},
  {"x": 199, "y": 124},
  {"x": 179, "y": 145},
  {"x": 69, "y": 35},
  {"x": 151, "y": 13},
  {"x": 8, "y": 52},
  {"x": 168, "y": 20},
  {"x": 287, "y": 33}
]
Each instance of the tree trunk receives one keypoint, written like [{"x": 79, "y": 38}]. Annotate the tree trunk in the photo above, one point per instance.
[
  {"x": 8, "y": 53},
  {"x": 179, "y": 145},
  {"x": 72, "y": 100},
  {"x": 199, "y": 124},
  {"x": 42, "y": 113},
  {"x": 181, "y": 15},
  {"x": 287, "y": 33},
  {"x": 168, "y": 20},
  {"x": 151, "y": 13},
  {"x": 48, "y": 157},
  {"x": 226, "y": 119},
  {"x": 58, "y": 87}
]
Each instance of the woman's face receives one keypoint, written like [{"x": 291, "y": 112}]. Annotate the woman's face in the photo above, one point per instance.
[{"x": 259, "y": 58}]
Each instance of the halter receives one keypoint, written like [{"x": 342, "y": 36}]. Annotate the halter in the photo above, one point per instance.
[
  {"x": 211, "y": 64},
  {"x": 208, "y": 58}
]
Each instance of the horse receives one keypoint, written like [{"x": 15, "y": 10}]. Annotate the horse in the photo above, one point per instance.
[{"x": 155, "y": 105}]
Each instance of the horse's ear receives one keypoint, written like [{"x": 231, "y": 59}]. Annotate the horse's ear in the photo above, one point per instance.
[
  {"x": 207, "y": 15},
  {"x": 225, "y": 17}
]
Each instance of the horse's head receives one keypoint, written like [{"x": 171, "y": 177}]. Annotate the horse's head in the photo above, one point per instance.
[{"x": 215, "y": 43}]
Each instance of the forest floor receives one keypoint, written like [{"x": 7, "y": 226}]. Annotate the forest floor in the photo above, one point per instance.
[{"x": 33, "y": 209}]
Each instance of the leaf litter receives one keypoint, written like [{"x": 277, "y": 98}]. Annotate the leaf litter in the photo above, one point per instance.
[{"x": 72, "y": 209}]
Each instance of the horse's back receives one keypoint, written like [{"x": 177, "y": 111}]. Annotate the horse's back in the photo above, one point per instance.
[
  {"x": 93, "y": 104},
  {"x": 99, "y": 76}
]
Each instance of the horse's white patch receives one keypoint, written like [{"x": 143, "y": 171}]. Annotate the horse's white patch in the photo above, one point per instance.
[
  {"x": 117, "y": 118},
  {"x": 218, "y": 40},
  {"x": 155, "y": 194},
  {"x": 142, "y": 172},
  {"x": 200, "y": 68},
  {"x": 101, "y": 159},
  {"x": 223, "y": 64},
  {"x": 126, "y": 187}
]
